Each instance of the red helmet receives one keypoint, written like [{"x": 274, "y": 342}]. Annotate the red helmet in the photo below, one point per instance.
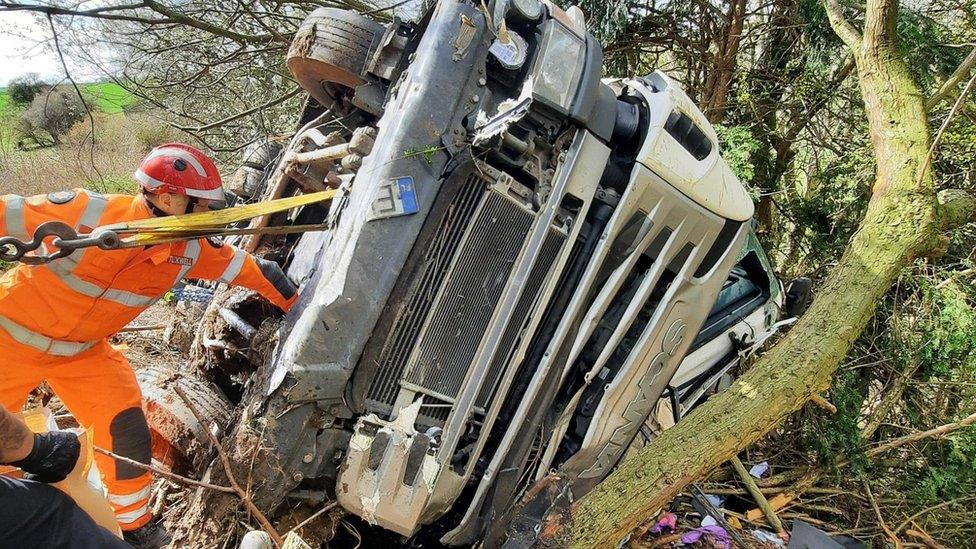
[{"x": 180, "y": 169}]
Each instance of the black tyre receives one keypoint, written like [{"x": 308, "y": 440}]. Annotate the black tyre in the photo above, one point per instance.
[{"x": 331, "y": 47}]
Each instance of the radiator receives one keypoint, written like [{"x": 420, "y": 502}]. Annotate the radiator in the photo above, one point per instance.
[{"x": 465, "y": 268}]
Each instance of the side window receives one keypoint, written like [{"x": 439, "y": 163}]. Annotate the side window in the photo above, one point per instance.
[{"x": 684, "y": 130}]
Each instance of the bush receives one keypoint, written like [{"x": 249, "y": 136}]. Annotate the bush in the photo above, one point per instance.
[
  {"x": 54, "y": 112},
  {"x": 150, "y": 132},
  {"x": 23, "y": 89}
]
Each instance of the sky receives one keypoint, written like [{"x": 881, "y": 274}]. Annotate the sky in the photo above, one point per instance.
[{"x": 22, "y": 50}]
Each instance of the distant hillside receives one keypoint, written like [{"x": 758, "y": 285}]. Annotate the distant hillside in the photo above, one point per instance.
[{"x": 107, "y": 97}]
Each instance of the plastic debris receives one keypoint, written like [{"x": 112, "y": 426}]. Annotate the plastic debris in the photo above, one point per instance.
[
  {"x": 715, "y": 534},
  {"x": 759, "y": 469},
  {"x": 666, "y": 522},
  {"x": 768, "y": 537},
  {"x": 717, "y": 501},
  {"x": 709, "y": 521}
]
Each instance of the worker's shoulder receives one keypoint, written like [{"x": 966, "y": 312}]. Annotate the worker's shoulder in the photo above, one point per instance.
[{"x": 69, "y": 196}]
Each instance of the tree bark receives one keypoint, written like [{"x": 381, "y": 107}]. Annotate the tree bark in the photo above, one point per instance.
[
  {"x": 901, "y": 223},
  {"x": 716, "y": 93}
]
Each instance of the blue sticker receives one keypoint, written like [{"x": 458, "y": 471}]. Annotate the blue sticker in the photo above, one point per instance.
[{"x": 408, "y": 196}]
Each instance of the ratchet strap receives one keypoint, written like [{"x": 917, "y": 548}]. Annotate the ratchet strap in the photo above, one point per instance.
[
  {"x": 157, "y": 230},
  {"x": 161, "y": 230}
]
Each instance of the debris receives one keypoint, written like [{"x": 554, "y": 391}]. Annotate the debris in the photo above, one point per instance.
[
  {"x": 256, "y": 539},
  {"x": 668, "y": 521},
  {"x": 759, "y": 469},
  {"x": 715, "y": 534},
  {"x": 805, "y": 536},
  {"x": 768, "y": 537},
  {"x": 225, "y": 461},
  {"x": 162, "y": 473},
  {"x": 708, "y": 503}
]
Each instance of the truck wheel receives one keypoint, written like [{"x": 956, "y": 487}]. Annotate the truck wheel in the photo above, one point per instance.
[
  {"x": 331, "y": 46},
  {"x": 175, "y": 431}
]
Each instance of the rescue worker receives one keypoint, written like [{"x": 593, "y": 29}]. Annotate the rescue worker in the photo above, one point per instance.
[
  {"x": 33, "y": 514},
  {"x": 56, "y": 318}
]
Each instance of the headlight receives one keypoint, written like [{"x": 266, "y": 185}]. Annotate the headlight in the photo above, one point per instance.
[{"x": 557, "y": 70}]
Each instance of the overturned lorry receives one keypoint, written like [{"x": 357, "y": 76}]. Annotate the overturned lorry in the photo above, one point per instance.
[{"x": 527, "y": 268}]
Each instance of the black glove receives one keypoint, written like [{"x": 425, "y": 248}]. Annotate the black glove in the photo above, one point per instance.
[{"x": 54, "y": 456}]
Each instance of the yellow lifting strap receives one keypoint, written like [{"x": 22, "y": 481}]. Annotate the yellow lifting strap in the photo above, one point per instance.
[{"x": 160, "y": 230}]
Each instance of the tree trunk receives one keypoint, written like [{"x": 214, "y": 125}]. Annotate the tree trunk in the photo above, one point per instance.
[
  {"x": 900, "y": 223},
  {"x": 716, "y": 91}
]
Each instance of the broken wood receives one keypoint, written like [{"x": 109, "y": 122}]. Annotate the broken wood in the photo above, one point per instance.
[
  {"x": 225, "y": 461},
  {"x": 781, "y": 500},
  {"x": 881, "y": 521},
  {"x": 757, "y": 495},
  {"x": 823, "y": 403}
]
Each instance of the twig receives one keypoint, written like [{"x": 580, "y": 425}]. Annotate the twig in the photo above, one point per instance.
[
  {"x": 165, "y": 474},
  {"x": 331, "y": 505},
  {"x": 757, "y": 495},
  {"x": 81, "y": 97},
  {"x": 915, "y": 437},
  {"x": 823, "y": 403},
  {"x": 129, "y": 329},
  {"x": 925, "y": 537},
  {"x": 225, "y": 461},
  {"x": 912, "y": 518},
  {"x": 877, "y": 511},
  {"x": 945, "y": 124}
]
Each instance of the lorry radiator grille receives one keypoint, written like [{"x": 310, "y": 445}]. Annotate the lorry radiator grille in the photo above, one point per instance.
[
  {"x": 551, "y": 247},
  {"x": 468, "y": 297},
  {"x": 437, "y": 259}
]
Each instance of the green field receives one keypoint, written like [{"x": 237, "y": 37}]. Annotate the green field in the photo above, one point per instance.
[{"x": 107, "y": 97}]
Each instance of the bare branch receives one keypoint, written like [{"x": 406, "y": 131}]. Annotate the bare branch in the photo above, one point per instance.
[
  {"x": 242, "y": 114},
  {"x": 178, "y": 17},
  {"x": 953, "y": 81},
  {"x": 97, "y": 13},
  {"x": 847, "y": 33}
]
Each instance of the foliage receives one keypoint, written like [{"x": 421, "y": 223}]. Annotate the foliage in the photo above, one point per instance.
[
  {"x": 53, "y": 112},
  {"x": 738, "y": 145},
  {"x": 23, "y": 89}
]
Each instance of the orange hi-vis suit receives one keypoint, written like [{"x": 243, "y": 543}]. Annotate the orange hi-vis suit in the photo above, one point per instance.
[{"x": 55, "y": 321}]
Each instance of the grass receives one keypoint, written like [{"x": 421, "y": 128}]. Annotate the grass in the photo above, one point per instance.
[
  {"x": 121, "y": 141},
  {"x": 107, "y": 97}
]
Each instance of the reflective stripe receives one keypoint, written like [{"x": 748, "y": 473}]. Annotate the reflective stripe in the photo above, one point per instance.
[
  {"x": 42, "y": 342},
  {"x": 216, "y": 195},
  {"x": 129, "y": 499},
  {"x": 134, "y": 515},
  {"x": 146, "y": 180},
  {"x": 191, "y": 251},
  {"x": 234, "y": 267},
  {"x": 93, "y": 210},
  {"x": 15, "y": 217},
  {"x": 178, "y": 153},
  {"x": 62, "y": 269}
]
